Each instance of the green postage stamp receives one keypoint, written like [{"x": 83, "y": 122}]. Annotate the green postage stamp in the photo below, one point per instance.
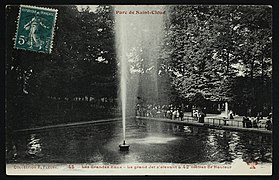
[{"x": 35, "y": 28}]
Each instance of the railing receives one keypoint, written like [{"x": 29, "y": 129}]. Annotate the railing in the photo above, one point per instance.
[
  {"x": 190, "y": 118},
  {"x": 207, "y": 120},
  {"x": 223, "y": 122}
]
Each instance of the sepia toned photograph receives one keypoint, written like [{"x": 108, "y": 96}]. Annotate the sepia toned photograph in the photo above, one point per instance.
[{"x": 138, "y": 90}]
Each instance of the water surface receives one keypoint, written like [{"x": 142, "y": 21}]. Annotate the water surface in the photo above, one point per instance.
[{"x": 150, "y": 142}]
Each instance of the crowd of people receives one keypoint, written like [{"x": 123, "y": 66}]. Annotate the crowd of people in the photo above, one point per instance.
[
  {"x": 173, "y": 112},
  {"x": 256, "y": 122},
  {"x": 176, "y": 112},
  {"x": 161, "y": 111}
]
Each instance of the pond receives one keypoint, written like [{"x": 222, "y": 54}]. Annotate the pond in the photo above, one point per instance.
[{"x": 150, "y": 142}]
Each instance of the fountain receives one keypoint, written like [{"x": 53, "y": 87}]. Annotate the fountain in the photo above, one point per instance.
[
  {"x": 137, "y": 42},
  {"x": 124, "y": 146},
  {"x": 123, "y": 90},
  {"x": 123, "y": 77}
]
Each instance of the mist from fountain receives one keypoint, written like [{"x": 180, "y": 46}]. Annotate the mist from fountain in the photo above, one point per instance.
[{"x": 138, "y": 38}]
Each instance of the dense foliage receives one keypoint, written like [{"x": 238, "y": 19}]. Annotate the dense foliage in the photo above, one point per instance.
[
  {"x": 216, "y": 53},
  {"x": 80, "y": 69},
  {"x": 212, "y": 50}
]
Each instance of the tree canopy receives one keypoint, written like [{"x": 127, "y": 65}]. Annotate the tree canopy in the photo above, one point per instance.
[
  {"x": 210, "y": 49},
  {"x": 81, "y": 65},
  {"x": 218, "y": 53}
]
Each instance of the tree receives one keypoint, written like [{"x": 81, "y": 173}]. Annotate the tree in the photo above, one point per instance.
[
  {"x": 36, "y": 79},
  {"x": 207, "y": 51},
  {"x": 189, "y": 51},
  {"x": 99, "y": 57}
]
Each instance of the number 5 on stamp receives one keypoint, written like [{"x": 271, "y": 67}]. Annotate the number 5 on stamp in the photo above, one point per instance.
[{"x": 35, "y": 28}]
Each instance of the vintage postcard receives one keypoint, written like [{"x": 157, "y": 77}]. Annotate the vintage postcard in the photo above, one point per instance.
[{"x": 138, "y": 90}]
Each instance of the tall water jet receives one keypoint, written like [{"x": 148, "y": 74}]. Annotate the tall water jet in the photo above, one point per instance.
[
  {"x": 138, "y": 38},
  {"x": 123, "y": 90},
  {"x": 123, "y": 64}
]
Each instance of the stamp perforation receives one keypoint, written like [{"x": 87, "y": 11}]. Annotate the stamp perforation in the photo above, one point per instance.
[{"x": 52, "y": 29}]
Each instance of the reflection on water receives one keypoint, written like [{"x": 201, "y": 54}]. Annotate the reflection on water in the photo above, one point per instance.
[
  {"x": 150, "y": 142},
  {"x": 153, "y": 140},
  {"x": 34, "y": 147}
]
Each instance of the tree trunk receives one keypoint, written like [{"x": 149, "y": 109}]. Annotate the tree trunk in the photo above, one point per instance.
[
  {"x": 252, "y": 69},
  {"x": 262, "y": 97},
  {"x": 72, "y": 104},
  {"x": 228, "y": 62},
  {"x": 57, "y": 106}
]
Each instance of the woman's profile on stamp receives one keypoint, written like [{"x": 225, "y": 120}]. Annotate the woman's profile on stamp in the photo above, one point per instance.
[{"x": 33, "y": 26}]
